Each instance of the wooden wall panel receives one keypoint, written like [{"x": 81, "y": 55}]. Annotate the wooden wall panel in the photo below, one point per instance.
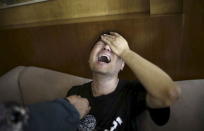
[
  {"x": 165, "y": 6},
  {"x": 166, "y": 39},
  {"x": 173, "y": 42},
  {"x": 54, "y": 10},
  {"x": 193, "y": 37},
  {"x": 193, "y": 45},
  {"x": 193, "y": 6},
  {"x": 66, "y": 47}
]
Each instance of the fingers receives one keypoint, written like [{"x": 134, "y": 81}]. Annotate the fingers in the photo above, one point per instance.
[
  {"x": 112, "y": 37},
  {"x": 115, "y": 33},
  {"x": 88, "y": 110},
  {"x": 108, "y": 39},
  {"x": 81, "y": 104}
]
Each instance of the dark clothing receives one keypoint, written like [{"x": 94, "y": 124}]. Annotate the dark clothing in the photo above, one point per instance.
[
  {"x": 58, "y": 115},
  {"x": 117, "y": 111}
]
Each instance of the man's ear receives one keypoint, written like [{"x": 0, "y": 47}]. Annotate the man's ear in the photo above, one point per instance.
[{"x": 122, "y": 66}]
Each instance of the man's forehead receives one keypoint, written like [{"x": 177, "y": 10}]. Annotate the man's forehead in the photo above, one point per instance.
[{"x": 97, "y": 43}]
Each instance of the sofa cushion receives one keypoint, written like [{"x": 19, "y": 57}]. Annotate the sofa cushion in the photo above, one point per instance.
[
  {"x": 187, "y": 114},
  {"x": 38, "y": 84}
]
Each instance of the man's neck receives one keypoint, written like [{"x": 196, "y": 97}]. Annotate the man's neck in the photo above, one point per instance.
[{"x": 103, "y": 84}]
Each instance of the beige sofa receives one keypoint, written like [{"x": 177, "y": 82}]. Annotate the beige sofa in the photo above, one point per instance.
[{"x": 28, "y": 85}]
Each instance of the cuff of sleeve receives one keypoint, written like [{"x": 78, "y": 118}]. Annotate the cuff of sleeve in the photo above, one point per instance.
[
  {"x": 160, "y": 116},
  {"x": 66, "y": 103}
]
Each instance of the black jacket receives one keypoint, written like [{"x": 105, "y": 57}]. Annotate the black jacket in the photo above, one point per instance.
[{"x": 58, "y": 115}]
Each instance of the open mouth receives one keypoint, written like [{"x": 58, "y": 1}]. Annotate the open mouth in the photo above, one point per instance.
[{"x": 104, "y": 58}]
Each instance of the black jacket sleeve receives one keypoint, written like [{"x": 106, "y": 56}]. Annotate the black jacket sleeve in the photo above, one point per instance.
[
  {"x": 160, "y": 115},
  {"x": 58, "y": 115}
]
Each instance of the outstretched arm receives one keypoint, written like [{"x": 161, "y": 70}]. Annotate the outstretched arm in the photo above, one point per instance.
[
  {"x": 162, "y": 91},
  {"x": 60, "y": 114}
]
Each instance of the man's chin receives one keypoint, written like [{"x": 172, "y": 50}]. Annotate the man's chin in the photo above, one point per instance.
[{"x": 101, "y": 72}]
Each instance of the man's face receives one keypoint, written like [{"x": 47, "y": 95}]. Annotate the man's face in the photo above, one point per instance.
[{"x": 103, "y": 60}]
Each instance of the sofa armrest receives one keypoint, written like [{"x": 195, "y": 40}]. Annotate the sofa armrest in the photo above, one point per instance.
[
  {"x": 9, "y": 86},
  {"x": 39, "y": 84}
]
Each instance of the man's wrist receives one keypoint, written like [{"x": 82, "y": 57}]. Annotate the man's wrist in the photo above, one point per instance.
[{"x": 125, "y": 53}]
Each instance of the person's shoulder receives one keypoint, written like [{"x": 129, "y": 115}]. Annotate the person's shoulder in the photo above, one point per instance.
[
  {"x": 75, "y": 90},
  {"x": 133, "y": 87}
]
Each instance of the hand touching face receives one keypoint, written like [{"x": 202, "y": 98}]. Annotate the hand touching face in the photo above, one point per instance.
[
  {"x": 105, "y": 56},
  {"x": 117, "y": 43}
]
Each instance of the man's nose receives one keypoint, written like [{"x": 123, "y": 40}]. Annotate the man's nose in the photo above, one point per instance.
[{"x": 107, "y": 47}]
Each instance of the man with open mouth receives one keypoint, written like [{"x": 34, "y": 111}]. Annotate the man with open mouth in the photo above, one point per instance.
[{"x": 115, "y": 104}]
